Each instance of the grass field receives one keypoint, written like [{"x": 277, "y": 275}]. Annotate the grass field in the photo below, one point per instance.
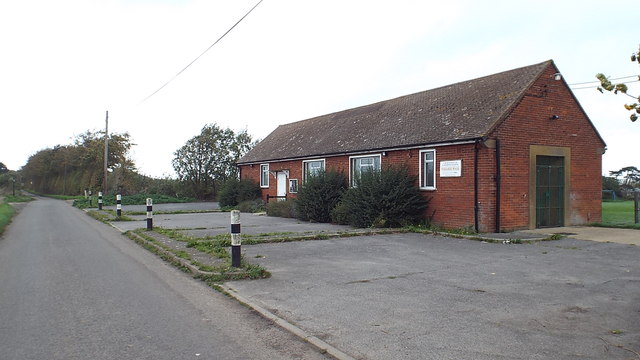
[{"x": 618, "y": 214}]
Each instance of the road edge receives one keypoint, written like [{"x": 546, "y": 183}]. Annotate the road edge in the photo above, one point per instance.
[{"x": 323, "y": 346}]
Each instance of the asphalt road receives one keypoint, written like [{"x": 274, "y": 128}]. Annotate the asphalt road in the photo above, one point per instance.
[
  {"x": 73, "y": 288},
  {"x": 414, "y": 296}
]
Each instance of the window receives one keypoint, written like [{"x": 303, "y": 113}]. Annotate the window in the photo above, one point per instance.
[
  {"x": 428, "y": 169},
  {"x": 362, "y": 164},
  {"x": 264, "y": 175},
  {"x": 312, "y": 167},
  {"x": 293, "y": 186}
]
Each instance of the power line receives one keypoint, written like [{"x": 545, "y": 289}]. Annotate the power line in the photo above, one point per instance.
[
  {"x": 199, "y": 56},
  {"x": 597, "y": 81},
  {"x": 596, "y": 86}
]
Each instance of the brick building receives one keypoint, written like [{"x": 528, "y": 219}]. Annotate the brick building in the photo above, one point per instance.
[{"x": 513, "y": 150}]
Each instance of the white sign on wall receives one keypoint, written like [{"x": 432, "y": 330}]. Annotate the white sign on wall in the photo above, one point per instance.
[{"x": 451, "y": 168}]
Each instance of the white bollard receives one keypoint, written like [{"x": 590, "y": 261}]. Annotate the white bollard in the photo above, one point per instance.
[
  {"x": 119, "y": 205},
  {"x": 149, "y": 214},
  {"x": 236, "y": 246}
]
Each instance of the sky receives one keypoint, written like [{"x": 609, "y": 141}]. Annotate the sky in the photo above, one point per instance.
[{"x": 64, "y": 63}]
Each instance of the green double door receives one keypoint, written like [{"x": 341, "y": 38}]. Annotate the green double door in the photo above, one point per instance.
[{"x": 549, "y": 191}]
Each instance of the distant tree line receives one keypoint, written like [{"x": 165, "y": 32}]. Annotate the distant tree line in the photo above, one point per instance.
[
  {"x": 70, "y": 169},
  {"x": 202, "y": 165}
]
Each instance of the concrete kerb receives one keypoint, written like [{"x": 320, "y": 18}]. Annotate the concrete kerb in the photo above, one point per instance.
[
  {"x": 321, "y": 345},
  {"x": 295, "y": 330}
]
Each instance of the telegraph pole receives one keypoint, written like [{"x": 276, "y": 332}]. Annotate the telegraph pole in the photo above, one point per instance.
[{"x": 106, "y": 151}]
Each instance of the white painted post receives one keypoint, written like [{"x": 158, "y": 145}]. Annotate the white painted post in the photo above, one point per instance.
[
  {"x": 149, "y": 214},
  {"x": 236, "y": 248},
  {"x": 119, "y": 205}
]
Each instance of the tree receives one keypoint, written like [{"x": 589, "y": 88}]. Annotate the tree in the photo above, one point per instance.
[
  {"x": 630, "y": 176},
  {"x": 210, "y": 157},
  {"x": 610, "y": 183},
  {"x": 66, "y": 169},
  {"x": 3, "y": 168},
  {"x": 606, "y": 84}
]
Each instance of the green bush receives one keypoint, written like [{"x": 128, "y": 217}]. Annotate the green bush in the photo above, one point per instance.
[
  {"x": 235, "y": 191},
  {"x": 251, "y": 206},
  {"x": 387, "y": 198},
  {"x": 319, "y": 194},
  {"x": 283, "y": 209}
]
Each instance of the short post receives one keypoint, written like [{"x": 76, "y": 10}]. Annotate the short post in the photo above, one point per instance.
[
  {"x": 90, "y": 199},
  {"x": 118, "y": 205},
  {"x": 235, "y": 238},
  {"x": 149, "y": 214},
  {"x": 99, "y": 200},
  {"x": 636, "y": 195},
  {"x": 85, "y": 194}
]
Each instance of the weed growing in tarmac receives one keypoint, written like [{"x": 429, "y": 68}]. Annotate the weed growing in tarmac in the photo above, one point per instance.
[{"x": 217, "y": 270}]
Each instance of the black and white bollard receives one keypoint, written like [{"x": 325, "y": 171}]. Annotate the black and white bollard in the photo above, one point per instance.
[
  {"x": 90, "y": 199},
  {"x": 119, "y": 205},
  {"x": 236, "y": 248},
  {"x": 149, "y": 214},
  {"x": 100, "y": 200}
]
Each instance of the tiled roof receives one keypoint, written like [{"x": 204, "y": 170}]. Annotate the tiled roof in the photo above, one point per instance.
[{"x": 457, "y": 112}]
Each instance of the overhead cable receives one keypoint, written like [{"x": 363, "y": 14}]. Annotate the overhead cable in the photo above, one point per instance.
[{"x": 199, "y": 56}]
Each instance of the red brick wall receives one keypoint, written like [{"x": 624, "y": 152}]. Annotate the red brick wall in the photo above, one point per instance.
[
  {"x": 452, "y": 203},
  {"x": 530, "y": 123}
]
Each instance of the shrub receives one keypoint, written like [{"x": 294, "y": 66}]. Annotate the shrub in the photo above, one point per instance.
[
  {"x": 251, "y": 206},
  {"x": 319, "y": 194},
  {"x": 281, "y": 208},
  {"x": 235, "y": 191},
  {"x": 387, "y": 198}
]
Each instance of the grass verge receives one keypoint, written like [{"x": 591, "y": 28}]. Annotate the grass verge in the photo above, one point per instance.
[
  {"x": 107, "y": 215},
  {"x": 214, "y": 272},
  {"x": 6, "y": 213},
  {"x": 17, "y": 198},
  {"x": 224, "y": 239}
]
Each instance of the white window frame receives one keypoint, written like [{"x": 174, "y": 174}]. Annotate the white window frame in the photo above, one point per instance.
[
  {"x": 304, "y": 167},
  {"x": 423, "y": 169},
  {"x": 293, "y": 190},
  {"x": 264, "y": 169},
  {"x": 351, "y": 162}
]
